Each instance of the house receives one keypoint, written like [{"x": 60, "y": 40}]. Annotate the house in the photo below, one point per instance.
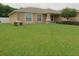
[{"x": 36, "y": 15}]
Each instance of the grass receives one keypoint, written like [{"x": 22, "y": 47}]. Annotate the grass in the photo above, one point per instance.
[{"x": 39, "y": 40}]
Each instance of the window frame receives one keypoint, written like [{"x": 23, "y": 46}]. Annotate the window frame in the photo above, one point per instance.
[
  {"x": 28, "y": 18},
  {"x": 39, "y": 18}
]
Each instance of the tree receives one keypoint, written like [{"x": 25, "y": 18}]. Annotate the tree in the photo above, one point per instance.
[
  {"x": 68, "y": 13},
  {"x": 5, "y": 10}
]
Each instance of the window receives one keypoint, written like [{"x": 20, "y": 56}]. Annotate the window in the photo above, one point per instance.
[
  {"x": 29, "y": 16},
  {"x": 38, "y": 17}
]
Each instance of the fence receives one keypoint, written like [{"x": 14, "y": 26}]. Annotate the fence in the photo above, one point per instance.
[{"x": 4, "y": 20}]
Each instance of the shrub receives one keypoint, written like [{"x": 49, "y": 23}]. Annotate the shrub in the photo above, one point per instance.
[
  {"x": 20, "y": 23},
  {"x": 16, "y": 23},
  {"x": 69, "y": 22}
]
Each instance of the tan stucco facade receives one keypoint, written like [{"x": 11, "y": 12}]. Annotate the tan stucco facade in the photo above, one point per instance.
[
  {"x": 22, "y": 18},
  {"x": 19, "y": 16},
  {"x": 13, "y": 18}
]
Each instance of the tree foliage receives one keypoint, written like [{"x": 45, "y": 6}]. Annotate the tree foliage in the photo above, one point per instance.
[
  {"x": 68, "y": 12},
  {"x": 5, "y": 10}
]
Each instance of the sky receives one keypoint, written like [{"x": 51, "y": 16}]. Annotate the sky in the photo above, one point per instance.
[{"x": 56, "y": 6}]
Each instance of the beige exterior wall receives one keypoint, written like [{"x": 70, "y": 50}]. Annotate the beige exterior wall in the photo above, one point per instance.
[
  {"x": 59, "y": 19},
  {"x": 34, "y": 18},
  {"x": 13, "y": 18},
  {"x": 22, "y": 17},
  {"x": 41, "y": 18},
  {"x": 44, "y": 16}
]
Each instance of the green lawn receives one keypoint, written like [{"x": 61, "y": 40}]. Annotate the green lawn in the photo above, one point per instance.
[{"x": 39, "y": 40}]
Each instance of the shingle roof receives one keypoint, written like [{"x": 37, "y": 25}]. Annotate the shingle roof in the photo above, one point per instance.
[{"x": 36, "y": 10}]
